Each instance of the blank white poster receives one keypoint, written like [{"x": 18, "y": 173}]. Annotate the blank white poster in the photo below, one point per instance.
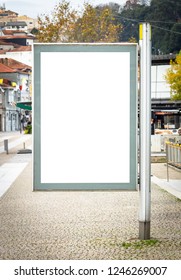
[{"x": 85, "y": 117}]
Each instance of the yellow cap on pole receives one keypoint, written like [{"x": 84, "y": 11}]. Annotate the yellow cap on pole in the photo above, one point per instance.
[{"x": 141, "y": 31}]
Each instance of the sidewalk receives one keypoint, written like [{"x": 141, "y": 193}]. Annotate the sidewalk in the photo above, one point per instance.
[
  {"x": 170, "y": 182},
  {"x": 11, "y": 164},
  {"x": 85, "y": 225},
  {"x": 15, "y": 140}
]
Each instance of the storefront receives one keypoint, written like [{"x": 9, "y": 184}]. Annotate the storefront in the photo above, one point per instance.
[{"x": 167, "y": 119}]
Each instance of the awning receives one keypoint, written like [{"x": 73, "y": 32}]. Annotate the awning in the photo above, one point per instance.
[{"x": 24, "y": 105}]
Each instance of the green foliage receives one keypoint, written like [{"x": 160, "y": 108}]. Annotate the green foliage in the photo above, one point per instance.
[
  {"x": 164, "y": 14},
  {"x": 173, "y": 78},
  {"x": 175, "y": 38},
  {"x": 28, "y": 129},
  {"x": 164, "y": 17},
  {"x": 129, "y": 17},
  {"x": 114, "y": 23}
]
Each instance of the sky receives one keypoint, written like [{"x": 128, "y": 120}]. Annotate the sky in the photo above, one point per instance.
[{"x": 32, "y": 8}]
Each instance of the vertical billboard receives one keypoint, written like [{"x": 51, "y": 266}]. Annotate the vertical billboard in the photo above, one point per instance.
[{"x": 85, "y": 117}]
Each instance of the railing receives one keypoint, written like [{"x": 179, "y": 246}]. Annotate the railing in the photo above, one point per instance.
[
  {"x": 158, "y": 141},
  {"x": 173, "y": 156}
]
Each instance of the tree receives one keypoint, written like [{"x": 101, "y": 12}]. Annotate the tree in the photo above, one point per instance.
[
  {"x": 130, "y": 4},
  {"x": 175, "y": 38},
  {"x": 164, "y": 17},
  {"x": 129, "y": 17},
  {"x": 97, "y": 25},
  {"x": 173, "y": 78},
  {"x": 59, "y": 26},
  {"x": 65, "y": 25},
  {"x": 164, "y": 14}
]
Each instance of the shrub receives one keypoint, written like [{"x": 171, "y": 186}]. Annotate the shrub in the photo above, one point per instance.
[{"x": 28, "y": 129}]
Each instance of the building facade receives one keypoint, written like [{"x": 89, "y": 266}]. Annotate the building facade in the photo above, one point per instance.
[
  {"x": 15, "y": 86},
  {"x": 9, "y": 115},
  {"x": 165, "y": 112}
]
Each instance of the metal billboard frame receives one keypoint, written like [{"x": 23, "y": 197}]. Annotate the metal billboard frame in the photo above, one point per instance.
[{"x": 38, "y": 50}]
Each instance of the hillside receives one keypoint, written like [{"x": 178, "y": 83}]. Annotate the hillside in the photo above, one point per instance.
[{"x": 164, "y": 17}]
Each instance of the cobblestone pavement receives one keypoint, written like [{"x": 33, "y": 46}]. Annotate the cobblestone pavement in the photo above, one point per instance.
[{"x": 85, "y": 225}]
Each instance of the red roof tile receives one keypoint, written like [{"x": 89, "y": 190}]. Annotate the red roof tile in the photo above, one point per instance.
[
  {"x": 14, "y": 64},
  {"x": 16, "y": 37},
  {"x": 6, "y": 69},
  {"x": 14, "y": 32},
  {"x": 21, "y": 49}
]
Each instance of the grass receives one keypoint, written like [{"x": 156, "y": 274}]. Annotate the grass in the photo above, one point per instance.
[{"x": 140, "y": 244}]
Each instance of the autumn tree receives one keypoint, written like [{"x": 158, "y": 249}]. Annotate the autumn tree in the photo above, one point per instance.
[
  {"x": 173, "y": 78},
  {"x": 59, "y": 25},
  {"x": 67, "y": 25},
  {"x": 97, "y": 24}
]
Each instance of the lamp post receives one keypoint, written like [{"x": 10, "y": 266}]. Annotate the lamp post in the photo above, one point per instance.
[{"x": 145, "y": 131}]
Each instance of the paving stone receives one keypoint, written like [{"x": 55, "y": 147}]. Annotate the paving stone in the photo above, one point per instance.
[{"x": 84, "y": 225}]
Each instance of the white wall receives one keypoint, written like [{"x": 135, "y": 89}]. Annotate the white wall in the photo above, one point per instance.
[
  {"x": 159, "y": 88},
  {"x": 23, "y": 57}
]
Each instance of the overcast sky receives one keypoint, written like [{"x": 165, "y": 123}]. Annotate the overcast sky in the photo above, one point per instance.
[{"x": 32, "y": 8}]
